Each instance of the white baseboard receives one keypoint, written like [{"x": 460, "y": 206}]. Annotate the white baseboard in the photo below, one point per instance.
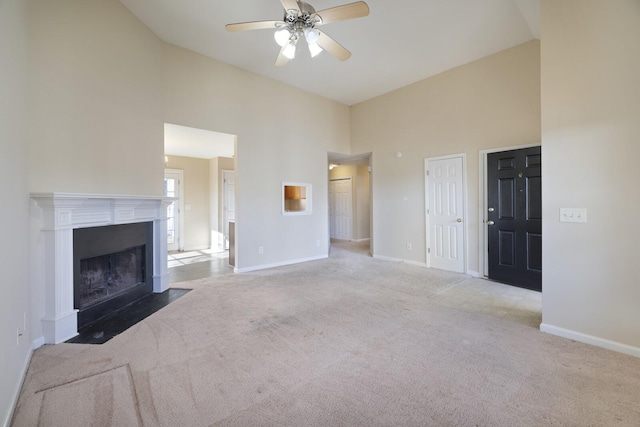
[
  {"x": 400, "y": 260},
  {"x": 37, "y": 343},
  {"x": 475, "y": 274},
  {"x": 590, "y": 339},
  {"x": 16, "y": 393},
  {"x": 278, "y": 264}
]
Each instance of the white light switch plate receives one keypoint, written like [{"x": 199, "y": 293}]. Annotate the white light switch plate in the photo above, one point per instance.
[{"x": 573, "y": 215}]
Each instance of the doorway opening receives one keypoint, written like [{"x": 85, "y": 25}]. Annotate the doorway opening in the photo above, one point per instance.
[
  {"x": 207, "y": 191},
  {"x": 350, "y": 195}
]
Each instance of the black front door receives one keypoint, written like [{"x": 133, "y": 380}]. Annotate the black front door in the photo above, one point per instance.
[{"x": 515, "y": 217}]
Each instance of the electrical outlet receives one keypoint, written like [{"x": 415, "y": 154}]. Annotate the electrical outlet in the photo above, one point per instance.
[
  {"x": 260, "y": 250},
  {"x": 408, "y": 246},
  {"x": 318, "y": 243}
]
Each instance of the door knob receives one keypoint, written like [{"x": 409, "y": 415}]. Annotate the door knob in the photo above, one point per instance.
[
  {"x": 459, "y": 220},
  {"x": 491, "y": 209},
  {"x": 490, "y": 222}
]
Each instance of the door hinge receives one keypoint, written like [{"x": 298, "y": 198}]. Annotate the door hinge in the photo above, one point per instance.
[
  {"x": 428, "y": 250},
  {"x": 427, "y": 172}
]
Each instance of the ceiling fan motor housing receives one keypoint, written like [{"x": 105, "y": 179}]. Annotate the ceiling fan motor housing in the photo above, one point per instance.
[
  {"x": 306, "y": 17},
  {"x": 300, "y": 23}
]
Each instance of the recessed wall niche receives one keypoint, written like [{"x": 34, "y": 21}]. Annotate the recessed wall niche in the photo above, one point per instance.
[{"x": 296, "y": 198}]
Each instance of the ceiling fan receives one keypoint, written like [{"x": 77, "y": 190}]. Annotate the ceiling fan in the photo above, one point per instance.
[{"x": 300, "y": 21}]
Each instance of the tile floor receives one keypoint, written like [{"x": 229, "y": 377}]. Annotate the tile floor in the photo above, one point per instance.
[{"x": 192, "y": 265}]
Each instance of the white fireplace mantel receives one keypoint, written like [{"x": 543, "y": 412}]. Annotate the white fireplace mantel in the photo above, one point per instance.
[{"x": 58, "y": 214}]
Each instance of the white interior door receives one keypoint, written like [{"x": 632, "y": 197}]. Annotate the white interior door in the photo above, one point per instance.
[
  {"x": 445, "y": 213},
  {"x": 340, "y": 212},
  {"x": 173, "y": 179},
  {"x": 229, "y": 203}
]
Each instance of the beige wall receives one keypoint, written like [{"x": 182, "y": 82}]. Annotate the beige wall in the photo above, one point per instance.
[
  {"x": 591, "y": 143},
  {"x": 96, "y": 100},
  {"x": 361, "y": 211},
  {"x": 271, "y": 148},
  {"x": 489, "y": 103},
  {"x": 14, "y": 215},
  {"x": 196, "y": 200}
]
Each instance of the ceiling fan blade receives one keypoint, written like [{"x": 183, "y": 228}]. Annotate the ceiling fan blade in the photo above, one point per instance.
[
  {"x": 281, "y": 59},
  {"x": 341, "y": 13},
  {"x": 290, "y": 4},
  {"x": 255, "y": 25},
  {"x": 333, "y": 47}
]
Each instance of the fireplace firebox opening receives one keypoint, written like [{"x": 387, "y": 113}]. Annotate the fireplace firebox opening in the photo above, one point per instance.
[
  {"x": 112, "y": 268},
  {"x": 107, "y": 276}
]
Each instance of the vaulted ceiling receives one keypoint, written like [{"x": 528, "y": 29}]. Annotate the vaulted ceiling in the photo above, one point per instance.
[{"x": 399, "y": 43}]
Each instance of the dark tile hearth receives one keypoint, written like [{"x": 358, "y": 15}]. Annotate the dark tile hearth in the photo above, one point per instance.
[{"x": 111, "y": 325}]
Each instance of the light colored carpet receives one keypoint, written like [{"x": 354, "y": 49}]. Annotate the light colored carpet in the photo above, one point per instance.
[{"x": 347, "y": 341}]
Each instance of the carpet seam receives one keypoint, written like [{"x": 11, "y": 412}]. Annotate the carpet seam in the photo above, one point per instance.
[
  {"x": 135, "y": 394},
  {"x": 79, "y": 379}
]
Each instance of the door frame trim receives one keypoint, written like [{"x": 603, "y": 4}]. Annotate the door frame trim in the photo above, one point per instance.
[
  {"x": 483, "y": 240},
  {"x": 180, "y": 224},
  {"x": 465, "y": 225}
]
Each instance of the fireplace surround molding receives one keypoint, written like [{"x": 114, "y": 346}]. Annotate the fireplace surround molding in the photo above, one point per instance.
[{"x": 54, "y": 217}]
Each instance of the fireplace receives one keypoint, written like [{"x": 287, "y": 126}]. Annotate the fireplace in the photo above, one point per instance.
[
  {"x": 132, "y": 231},
  {"x": 110, "y": 267}
]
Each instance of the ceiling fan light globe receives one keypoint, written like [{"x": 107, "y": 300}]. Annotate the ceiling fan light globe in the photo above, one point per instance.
[
  {"x": 314, "y": 49},
  {"x": 282, "y": 36},
  {"x": 311, "y": 34},
  {"x": 290, "y": 51}
]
